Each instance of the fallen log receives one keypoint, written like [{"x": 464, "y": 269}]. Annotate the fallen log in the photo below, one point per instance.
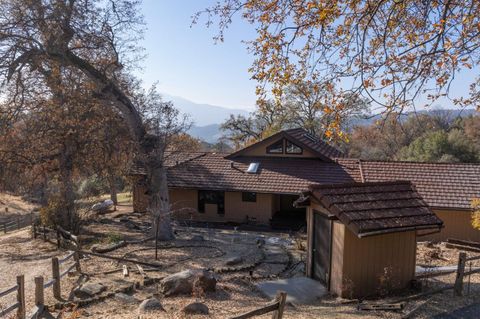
[
  {"x": 385, "y": 306},
  {"x": 110, "y": 247}
]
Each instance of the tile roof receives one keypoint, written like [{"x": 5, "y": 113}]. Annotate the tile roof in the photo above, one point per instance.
[
  {"x": 442, "y": 185},
  {"x": 376, "y": 208},
  {"x": 314, "y": 143},
  {"x": 304, "y": 139},
  {"x": 447, "y": 186},
  {"x": 276, "y": 175}
]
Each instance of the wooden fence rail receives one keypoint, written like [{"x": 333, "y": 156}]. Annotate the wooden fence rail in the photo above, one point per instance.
[
  {"x": 40, "y": 286},
  {"x": 16, "y": 223},
  {"x": 20, "y": 304},
  {"x": 277, "y": 306}
]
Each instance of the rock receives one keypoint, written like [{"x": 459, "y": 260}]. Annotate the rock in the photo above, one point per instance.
[
  {"x": 124, "y": 219},
  {"x": 197, "y": 238},
  {"x": 151, "y": 304},
  {"x": 103, "y": 206},
  {"x": 196, "y": 308},
  {"x": 183, "y": 282},
  {"x": 260, "y": 242},
  {"x": 89, "y": 290},
  {"x": 235, "y": 260},
  {"x": 124, "y": 298}
]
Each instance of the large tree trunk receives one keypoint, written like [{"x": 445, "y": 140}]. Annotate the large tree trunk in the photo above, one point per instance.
[
  {"x": 67, "y": 218},
  {"x": 157, "y": 188},
  {"x": 150, "y": 146}
]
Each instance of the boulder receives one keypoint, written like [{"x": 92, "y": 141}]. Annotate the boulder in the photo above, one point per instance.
[
  {"x": 235, "y": 260},
  {"x": 89, "y": 290},
  {"x": 151, "y": 304},
  {"x": 102, "y": 206},
  {"x": 183, "y": 282},
  {"x": 196, "y": 308}
]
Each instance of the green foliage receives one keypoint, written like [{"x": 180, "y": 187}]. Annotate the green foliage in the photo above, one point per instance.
[
  {"x": 420, "y": 138},
  {"x": 92, "y": 187},
  {"x": 113, "y": 238}
]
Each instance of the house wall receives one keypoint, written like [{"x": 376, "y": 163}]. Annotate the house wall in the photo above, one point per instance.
[
  {"x": 185, "y": 202},
  {"x": 458, "y": 225},
  {"x": 260, "y": 149}
]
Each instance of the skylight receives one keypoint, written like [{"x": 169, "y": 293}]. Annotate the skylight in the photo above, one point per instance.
[{"x": 253, "y": 168}]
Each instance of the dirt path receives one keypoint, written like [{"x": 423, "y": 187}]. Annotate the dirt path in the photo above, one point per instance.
[{"x": 19, "y": 254}]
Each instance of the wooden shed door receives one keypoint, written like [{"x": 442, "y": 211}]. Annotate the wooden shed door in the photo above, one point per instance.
[{"x": 322, "y": 244}]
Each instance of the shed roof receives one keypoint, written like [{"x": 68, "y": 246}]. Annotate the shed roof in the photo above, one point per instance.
[{"x": 376, "y": 208}]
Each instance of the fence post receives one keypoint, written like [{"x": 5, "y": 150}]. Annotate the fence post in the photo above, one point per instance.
[
  {"x": 39, "y": 296},
  {"x": 58, "y": 239},
  {"x": 21, "y": 296},
  {"x": 34, "y": 230},
  {"x": 5, "y": 228},
  {"x": 281, "y": 298},
  {"x": 56, "y": 277},
  {"x": 458, "y": 287},
  {"x": 76, "y": 257}
]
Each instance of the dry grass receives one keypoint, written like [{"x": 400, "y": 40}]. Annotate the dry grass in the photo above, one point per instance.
[{"x": 15, "y": 205}]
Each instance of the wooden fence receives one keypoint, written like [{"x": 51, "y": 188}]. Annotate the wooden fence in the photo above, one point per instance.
[
  {"x": 16, "y": 223},
  {"x": 277, "y": 306},
  {"x": 40, "y": 286},
  {"x": 19, "y": 288}
]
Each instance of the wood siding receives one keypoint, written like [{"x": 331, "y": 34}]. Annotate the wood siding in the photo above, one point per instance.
[
  {"x": 186, "y": 202},
  {"x": 260, "y": 149},
  {"x": 377, "y": 264},
  {"x": 457, "y": 224},
  {"x": 367, "y": 266}
]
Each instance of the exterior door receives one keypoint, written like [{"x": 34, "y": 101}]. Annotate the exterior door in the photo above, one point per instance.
[{"x": 322, "y": 245}]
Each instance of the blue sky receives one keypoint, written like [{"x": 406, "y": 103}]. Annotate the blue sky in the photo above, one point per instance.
[{"x": 186, "y": 62}]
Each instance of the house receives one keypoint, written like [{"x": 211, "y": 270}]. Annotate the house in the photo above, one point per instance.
[
  {"x": 260, "y": 183},
  {"x": 362, "y": 236}
]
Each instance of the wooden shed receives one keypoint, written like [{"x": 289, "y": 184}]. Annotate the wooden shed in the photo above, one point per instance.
[{"x": 362, "y": 236}]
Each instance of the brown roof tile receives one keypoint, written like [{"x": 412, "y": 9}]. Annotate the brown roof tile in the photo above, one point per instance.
[
  {"x": 376, "y": 208},
  {"x": 442, "y": 185},
  {"x": 276, "y": 175}
]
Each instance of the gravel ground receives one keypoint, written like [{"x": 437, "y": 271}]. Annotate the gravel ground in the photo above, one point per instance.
[{"x": 236, "y": 292}]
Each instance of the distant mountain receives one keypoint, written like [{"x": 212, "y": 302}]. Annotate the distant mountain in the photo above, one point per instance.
[
  {"x": 203, "y": 114},
  {"x": 208, "y": 133}
]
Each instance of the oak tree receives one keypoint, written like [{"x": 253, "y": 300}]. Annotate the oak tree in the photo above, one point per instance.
[{"x": 390, "y": 51}]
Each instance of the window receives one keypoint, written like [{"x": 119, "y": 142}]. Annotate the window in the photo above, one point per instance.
[
  {"x": 292, "y": 148},
  {"x": 211, "y": 197},
  {"x": 249, "y": 197},
  {"x": 275, "y": 148}
]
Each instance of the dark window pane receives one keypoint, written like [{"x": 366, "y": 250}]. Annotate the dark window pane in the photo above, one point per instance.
[
  {"x": 292, "y": 148},
  {"x": 249, "y": 197},
  {"x": 211, "y": 197},
  {"x": 276, "y": 148}
]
